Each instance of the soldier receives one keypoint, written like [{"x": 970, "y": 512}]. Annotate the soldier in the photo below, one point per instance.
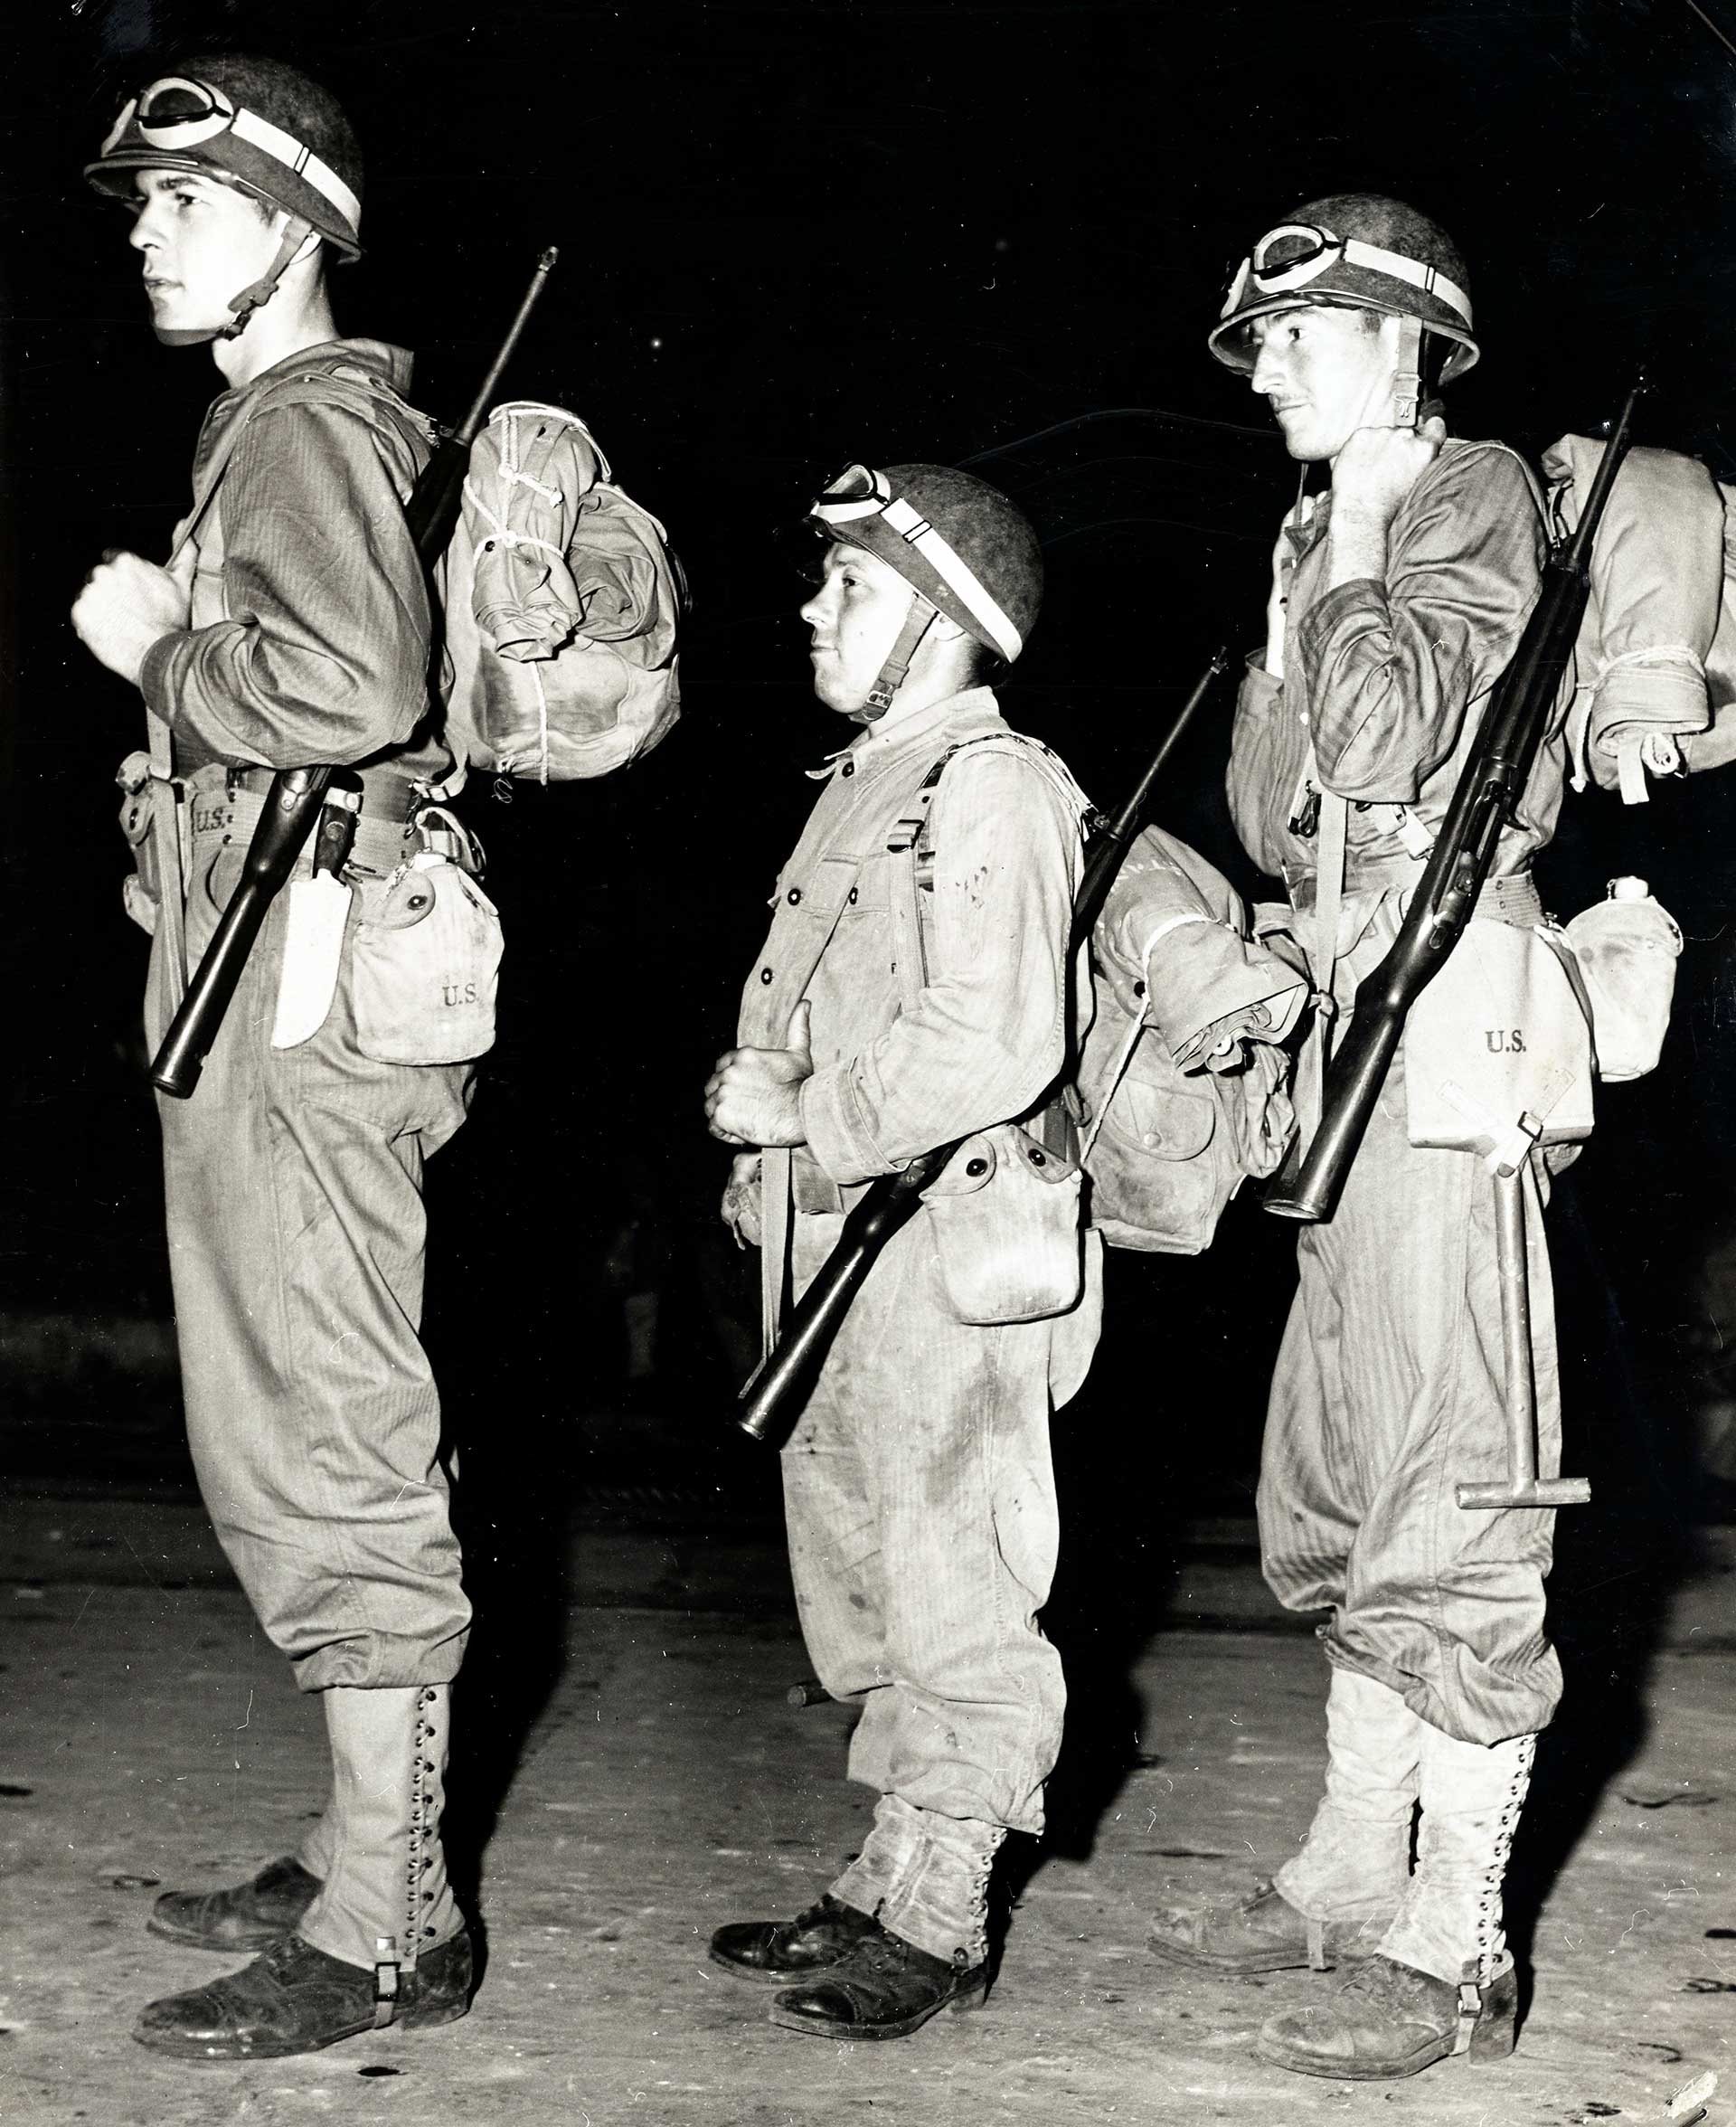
[
  {"x": 292, "y": 628},
  {"x": 1399, "y": 596},
  {"x": 924, "y": 921}
]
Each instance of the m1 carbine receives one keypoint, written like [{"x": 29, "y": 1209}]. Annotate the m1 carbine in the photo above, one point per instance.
[
  {"x": 1487, "y": 798},
  {"x": 772, "y": 1397},
  {"x": 293, "y": 802}
]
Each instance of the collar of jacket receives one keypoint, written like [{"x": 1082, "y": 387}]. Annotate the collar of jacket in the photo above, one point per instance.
[
  {"x": 876, "y": 746},
  {"x": 391, "y": 366}
]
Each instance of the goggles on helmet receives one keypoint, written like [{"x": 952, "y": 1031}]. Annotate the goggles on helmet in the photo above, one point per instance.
[
  {"x": 1297, "y": 252},
  {"x": 175, "y": 114},
  {"x": 859, "y": 495}
]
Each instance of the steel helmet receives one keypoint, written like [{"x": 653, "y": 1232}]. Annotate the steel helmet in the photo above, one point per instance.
[
  {"x": 261, "y": 123},
  {"x": 960, "y": 545},
  {"x": 1355, "y": 251}
]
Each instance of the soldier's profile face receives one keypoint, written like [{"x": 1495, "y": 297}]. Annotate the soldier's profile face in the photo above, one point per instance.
[
  {"x": 855, "y": 616},
  {"x": 1325, "y": 371},
  {"x": 201, "y": 242}
]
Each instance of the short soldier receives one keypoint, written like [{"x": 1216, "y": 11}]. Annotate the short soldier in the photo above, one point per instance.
[
  {"x": 923, "y": 921},
  {"x": 294, "y": 628},
  {"x": 1399, "y": 597}
]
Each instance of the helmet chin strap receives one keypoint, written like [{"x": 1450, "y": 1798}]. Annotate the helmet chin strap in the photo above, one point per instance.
[
  {"x": 292, "y": 233},
  {"x": 918, "y": 621}
]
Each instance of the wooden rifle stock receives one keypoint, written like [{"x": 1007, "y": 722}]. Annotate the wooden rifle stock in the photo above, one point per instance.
[
  {"x": 772, "y": 1395},
  {"x": 292, "y": 804},
  {"x": 1490, "y": 793}
]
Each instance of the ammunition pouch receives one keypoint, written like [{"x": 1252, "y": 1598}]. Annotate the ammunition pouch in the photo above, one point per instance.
[{"x": 150, "y": 810}]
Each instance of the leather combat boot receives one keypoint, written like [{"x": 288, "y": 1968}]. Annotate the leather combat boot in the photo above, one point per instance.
[
  {"x": 1388, "y": 2019},
  {"x": 1263, "y": 1933},
  {"x": 250, "y": 1916},
  {"x": 886, "y": 1988},
  {"x": 1332, "y": 1900},
  {"x": 381, "y": 1942},
  {"x": 784, "y": 1950},
  {"x": 1443, "y": 1982},
  {"x": 296, "y": 1999}
]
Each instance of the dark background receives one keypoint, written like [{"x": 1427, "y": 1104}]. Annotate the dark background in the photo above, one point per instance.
[{"x": 791, "y": 237}]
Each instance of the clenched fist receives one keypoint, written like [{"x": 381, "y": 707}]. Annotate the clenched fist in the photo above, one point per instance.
[
  {"x": 127, "y": 605},
  {"x": 1378, "y": 468},
  {"x": 754, "y": 1097}
]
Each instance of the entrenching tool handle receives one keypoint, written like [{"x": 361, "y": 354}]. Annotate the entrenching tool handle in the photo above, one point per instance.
[
  {"x": 283, "y": 828},
  {"x": 1523, "y": 1487}
]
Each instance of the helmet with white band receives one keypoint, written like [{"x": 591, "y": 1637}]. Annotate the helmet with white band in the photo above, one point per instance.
[
  {"x": 959, "y": 543},
  {"x": 1357, "y": 251},
  {"x": 259, "y": 124}
]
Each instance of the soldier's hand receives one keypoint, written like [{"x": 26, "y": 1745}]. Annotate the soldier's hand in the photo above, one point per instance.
[
  {"x": 127, "y": 605},
  {"x": 1378, "y": 468},
  {"x": 742, "y": 1200},
  {"x": 754, "y": 1095}
]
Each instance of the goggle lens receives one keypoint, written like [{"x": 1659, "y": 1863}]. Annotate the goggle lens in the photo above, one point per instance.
[
  {"x": 177, "y": 113},
  {"x": 1290, "y": 256},
  {"x": 856, "y": 483}
]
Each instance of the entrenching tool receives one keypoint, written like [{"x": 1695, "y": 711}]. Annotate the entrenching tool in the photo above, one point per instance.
[{"x": 1523, "y": 1487}]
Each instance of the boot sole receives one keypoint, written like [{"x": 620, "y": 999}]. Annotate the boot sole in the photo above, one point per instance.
[
  {"x": 1278, "y": 1961},
  {"x": 762, "y": 1976},
  {"x": 1240, "y": 1968},
  {"x": 1486, "y": 2045},
  {"x": 224, "y": 1945},
  {"x": 1363, "y": 2071},
  {"x": 175, "y": 2048},
  {"x": 967, "y": 1998}
]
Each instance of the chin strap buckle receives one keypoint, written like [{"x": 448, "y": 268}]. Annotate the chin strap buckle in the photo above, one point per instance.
[{"x": 920, "y": 618}]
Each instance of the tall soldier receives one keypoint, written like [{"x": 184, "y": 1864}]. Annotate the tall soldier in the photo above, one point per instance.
[
  {"x": 923, "y": 921},
  {"x": 1399, "y": 596},
  {"x": 294, "y": 627}
]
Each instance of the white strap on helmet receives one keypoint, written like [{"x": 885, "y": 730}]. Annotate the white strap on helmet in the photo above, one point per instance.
[
  {"x": 225, "y": 116},
  {"x": 1352, "y": 251},
  {"x": 915, "y": 531}
]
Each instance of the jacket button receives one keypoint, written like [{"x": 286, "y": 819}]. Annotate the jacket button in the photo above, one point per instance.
[
  {"x": 976, "y": 1166},
  {"x": 794, "y": 896},
  {"x": 765, "y": 974},
  {"x": 1039, "y": 1159},
  {"x": 852, "y": 897},
  {"x": 849, "y": 769}
]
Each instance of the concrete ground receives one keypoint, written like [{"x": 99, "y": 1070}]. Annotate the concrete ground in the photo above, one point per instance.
[{"x": 646, "y": 1778}]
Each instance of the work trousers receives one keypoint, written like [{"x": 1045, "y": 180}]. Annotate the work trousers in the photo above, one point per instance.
[
  {"x": 921, "y": 1503},
  {"x": 296, "y": 1230},
  {"x": 1388, "y": 1394}
]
